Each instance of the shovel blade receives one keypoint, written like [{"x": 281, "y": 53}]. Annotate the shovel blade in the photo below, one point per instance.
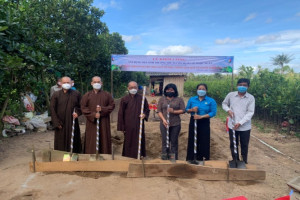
[
  {"x": 74, "y": 157},
  {"x": 233, "y": 164},
  {"x": 93, "y": 157},
  {"x": 237, "y": 164},
  {"x": 66, "y": 157},
  {"x": 241, "y": 165},
  {"x": 164, "y": 156},
  {"x": 172, "y": 157}
]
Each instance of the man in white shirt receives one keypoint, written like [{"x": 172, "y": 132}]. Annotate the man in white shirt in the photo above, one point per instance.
[
  {"x": 240, "y": 107},
  {"x": 56, "y": 87}
]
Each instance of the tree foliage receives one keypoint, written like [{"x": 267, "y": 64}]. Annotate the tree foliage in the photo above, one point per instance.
[
  {"x": 277, "y": 96},
  {"x": 44, "y": 39}
]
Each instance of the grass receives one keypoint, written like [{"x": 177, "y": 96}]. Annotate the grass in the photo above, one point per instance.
[{"x": 221, "y": 114}]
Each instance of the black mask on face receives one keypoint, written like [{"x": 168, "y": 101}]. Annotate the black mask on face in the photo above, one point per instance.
[{"x": 170, "y": 94}]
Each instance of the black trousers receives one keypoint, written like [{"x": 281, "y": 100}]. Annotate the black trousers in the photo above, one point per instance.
[
  {"x": 173, "y": 139},
  {"x": 203, "y": 139},
  {"x": 242, "y": 137}
]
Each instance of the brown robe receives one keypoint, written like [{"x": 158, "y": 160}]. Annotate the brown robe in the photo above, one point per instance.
[
  {"x": 62, "y": 106},
  {"x": 129, "y": 121},
  {"x": 89, "y": 103}
]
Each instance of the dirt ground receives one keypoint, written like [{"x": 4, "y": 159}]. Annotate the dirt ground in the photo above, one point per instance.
[{"x": 17, "y": 182}]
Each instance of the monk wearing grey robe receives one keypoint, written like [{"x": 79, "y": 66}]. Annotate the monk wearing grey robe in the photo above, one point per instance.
[
  {"x": 89, "y": 103},
  {"x": 129, "y": 121}
]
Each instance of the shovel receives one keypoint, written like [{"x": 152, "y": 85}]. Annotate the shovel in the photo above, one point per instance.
[
  {"x": 141, "y": 123},
  {"x": 97, "y": 156},
  {"x": 195, "y": 162},
  {"x": 168, "y": 156},
  {"x": 235, "y": 163},
  {"x": 71, "y": 156}
]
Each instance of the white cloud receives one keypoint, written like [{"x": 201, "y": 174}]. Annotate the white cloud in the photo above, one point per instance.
[
  {"x": 227, "y": 41},
  {"x": 298, "y": 14},
  {"x": 266, "y": 38},
  {"x": 171, "y": 6},
  {"x": 174, "y": 50},
  {"x": 110, "y": 4},
  {"x": 269, "y": 20},
  {"x": 250, "y": 17},
  {"x": 130, "y": 38}
]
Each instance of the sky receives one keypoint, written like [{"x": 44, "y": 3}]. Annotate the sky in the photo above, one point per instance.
[{"x": 253, "y": 31}]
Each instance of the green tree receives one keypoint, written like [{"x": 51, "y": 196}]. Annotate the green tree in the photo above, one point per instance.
[
  {"x": 280, "y": 60},
  {"x": 246, "y": 72}
]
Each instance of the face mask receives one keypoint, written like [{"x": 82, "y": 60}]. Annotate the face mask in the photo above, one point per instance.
[
  {"x": 97, "y": 86},
  {"x": 72, "y": 84},
  {"x": 170, "y": 94},
  {"x": 59, "y": 83},
  {"x": 133, "y": 91},
  {"x": 66, "y": 86},
  {"x": 201, "y": 93},
  {"x": 242, "y": 89}
]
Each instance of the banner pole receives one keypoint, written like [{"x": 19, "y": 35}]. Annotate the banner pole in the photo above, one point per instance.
[
  {"x": 232, "y": 81},
  {"x": 111, "y": 83}
]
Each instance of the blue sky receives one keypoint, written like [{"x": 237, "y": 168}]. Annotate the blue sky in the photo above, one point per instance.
[{"x": 251, "y": 31}]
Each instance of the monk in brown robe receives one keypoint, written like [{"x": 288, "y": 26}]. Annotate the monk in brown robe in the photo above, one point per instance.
[
  {"x": 129, "y": 121},
  {"x": 63, "y": 103},
  {"x": 89, "y": 103}
]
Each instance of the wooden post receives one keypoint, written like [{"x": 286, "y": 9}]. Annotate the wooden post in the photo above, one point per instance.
[
  {"x": 111, "y": 83},
  {"x": 33, "y": 158},
  {"x": 232, "y": 80}
]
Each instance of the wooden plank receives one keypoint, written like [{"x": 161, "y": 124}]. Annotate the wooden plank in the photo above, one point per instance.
[
  {"x": 96, "y": 166},
  {"x": 177, "y": 170},
  {"x": 206, "y": 172},
  {"x": 58, "y": 156},
  {"x": 246, "y": 175}
]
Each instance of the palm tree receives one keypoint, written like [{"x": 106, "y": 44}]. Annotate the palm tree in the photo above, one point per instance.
[{"x": 282, "y": 59}]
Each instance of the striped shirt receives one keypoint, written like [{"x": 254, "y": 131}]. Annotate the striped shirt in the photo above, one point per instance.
[{"x": 242, "y": 108}]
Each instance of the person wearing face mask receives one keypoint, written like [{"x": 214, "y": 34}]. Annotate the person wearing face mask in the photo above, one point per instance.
[
  {"x": 129, "y": 121},
  {"x": 56, "y": 87},
  {"x": 97, "y": 104},
  {"x": 72, "y": 84},
  {"x": 65, "y": 105},
  {"x": 240, "y": 107},
  {"x": 176, "y": 107},
  {"x": 202, "y": 108}
]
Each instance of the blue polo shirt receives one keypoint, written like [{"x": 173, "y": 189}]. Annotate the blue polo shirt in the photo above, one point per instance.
[{"x": 206, "y": 106}]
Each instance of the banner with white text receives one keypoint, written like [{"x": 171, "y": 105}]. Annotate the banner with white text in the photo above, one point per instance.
[{"x": 187, "y": 64}]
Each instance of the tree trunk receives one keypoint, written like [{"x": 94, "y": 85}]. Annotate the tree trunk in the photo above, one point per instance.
[{"x": 46, "y": 92}]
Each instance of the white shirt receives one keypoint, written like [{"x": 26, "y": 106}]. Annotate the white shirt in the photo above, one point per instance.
[
  {"x": 54, "y": 89},
  {"x": 242, "y": 108}
]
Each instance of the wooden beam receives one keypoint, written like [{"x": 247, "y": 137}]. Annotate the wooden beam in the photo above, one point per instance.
[
  {"x": 213, "y": 170},
  {"x": 246, "y": 175},
  {"x": 59, "y": 155},
  {"x": 103, "y": 166}
]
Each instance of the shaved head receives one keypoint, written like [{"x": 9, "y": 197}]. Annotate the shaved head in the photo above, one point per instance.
[
  {"x": 66, "y": 79},
  {"x": 132, "y": 85},
  {"x": 96, "y": 79}
]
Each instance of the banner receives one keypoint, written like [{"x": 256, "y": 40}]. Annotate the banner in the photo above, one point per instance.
[{"x": 187, "y": 64}]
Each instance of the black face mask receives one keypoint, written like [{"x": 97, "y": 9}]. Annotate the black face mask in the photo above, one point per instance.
[{"x": 170, "y": 94}]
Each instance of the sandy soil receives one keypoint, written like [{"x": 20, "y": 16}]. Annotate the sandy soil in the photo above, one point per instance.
[{"x": 17, "y": 182}]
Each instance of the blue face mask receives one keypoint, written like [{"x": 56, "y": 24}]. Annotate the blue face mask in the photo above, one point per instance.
[
  {"x": 201, "y": 93},
  {"x": 242, "y": 89}
]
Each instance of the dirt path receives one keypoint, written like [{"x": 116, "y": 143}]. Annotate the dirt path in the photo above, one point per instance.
[{"x": 18, "y": 183}]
